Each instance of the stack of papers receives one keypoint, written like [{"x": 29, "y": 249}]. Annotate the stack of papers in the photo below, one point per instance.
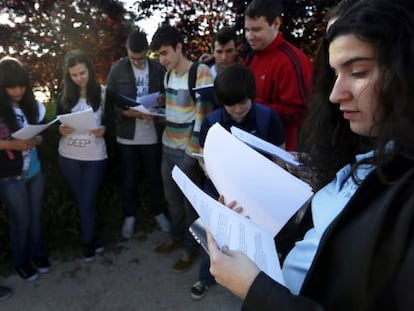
[
  {"x": 147, "y": 104},
  {"x": 268, "y": 194}
]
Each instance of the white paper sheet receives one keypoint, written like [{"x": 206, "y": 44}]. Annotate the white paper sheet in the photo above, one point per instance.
[
  {"x": 159, "y": 112},
  {"x": 264, "y": 146},
  {"x": 268, "y": 194},
  {"x": 231, "y": 229},
  {"x": 31, "y": 130},
  {"x": 149, "y": 100},
  {"x": 82, "y": 121},
  {"x": 203, "y": 87},
  {"x": 198, "y": 156}
]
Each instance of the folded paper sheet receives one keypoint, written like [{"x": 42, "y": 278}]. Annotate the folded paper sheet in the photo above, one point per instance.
[
  {"x": 268, "y": 194},
  {"x": 264, "y": 146},
  {"x": 231, "y": 229},
  {"x": 31, "y": 130}
]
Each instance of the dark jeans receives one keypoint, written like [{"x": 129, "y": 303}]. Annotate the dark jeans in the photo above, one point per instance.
[
  {"x": 135, "y": 160},
  {"x": 204, "y": 274},
  {"x": 85, "y": 179},
  {"x": 182, "y": 214},
  {"x": 23, "y": 201}
]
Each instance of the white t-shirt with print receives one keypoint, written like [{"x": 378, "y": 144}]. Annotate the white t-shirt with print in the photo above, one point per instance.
[
  {"x": 145, "y": 133},
  {"x": 85, "y": 146}
]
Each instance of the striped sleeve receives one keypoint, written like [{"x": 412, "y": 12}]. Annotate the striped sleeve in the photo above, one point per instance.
[{"x": 203, "y": 107}]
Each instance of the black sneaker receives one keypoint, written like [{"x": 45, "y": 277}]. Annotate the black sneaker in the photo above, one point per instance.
[
  {"x": 27, "y": 272},
  {"x": 88, "y": 253},
  {"x": 98, "y": 247},
  {"x": 185, "y": 262},
  {"x": 42, "y": 264},
  {"x": 91, "y": 249},
  {"x": 199, "y": 290},
  {"x": 5, "y": 293}
]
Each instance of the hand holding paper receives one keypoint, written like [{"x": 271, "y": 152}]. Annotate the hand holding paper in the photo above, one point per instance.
[
  {"x": 155, "y": 111},
  {"x": 31, "y": 130},
  {"x": 150, "y": 100},
  {"x": 81, "y": 121},
  {"x": 226, "y": 263},
  {"x": 232, "y": 229},
  {"x": 268, "y": 194}
]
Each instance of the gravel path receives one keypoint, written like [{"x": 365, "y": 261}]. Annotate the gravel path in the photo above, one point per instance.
[{"x": 128, "y": 276}]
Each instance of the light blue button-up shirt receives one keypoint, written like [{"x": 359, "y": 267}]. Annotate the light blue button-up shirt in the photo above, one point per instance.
[{"x": 327, "y": 203}]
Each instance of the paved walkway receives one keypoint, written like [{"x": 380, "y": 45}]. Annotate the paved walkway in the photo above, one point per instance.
[{"x": 128, "y": 276}]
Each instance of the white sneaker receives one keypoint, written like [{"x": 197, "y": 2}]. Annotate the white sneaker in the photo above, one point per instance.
[
  {"x": 128, "y": 227},
  {"x": 163, "y": 222}
]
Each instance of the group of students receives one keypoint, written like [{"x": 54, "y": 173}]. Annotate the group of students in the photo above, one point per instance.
[
  {"x": 22, "y": 181},
  {"x": 83, "y": 157},
  {"x": 357, "y": 250},
  {"x": 264, "y": 94}
]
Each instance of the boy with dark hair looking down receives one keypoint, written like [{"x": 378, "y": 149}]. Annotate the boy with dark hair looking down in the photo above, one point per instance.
[{"x": 184, "y": 115}]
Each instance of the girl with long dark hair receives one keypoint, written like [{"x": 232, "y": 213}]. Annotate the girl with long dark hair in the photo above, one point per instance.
[{"x": 21, "y": 179}]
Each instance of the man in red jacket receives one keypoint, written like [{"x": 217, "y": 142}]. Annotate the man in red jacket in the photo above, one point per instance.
[{"x": 282, "y": 72}]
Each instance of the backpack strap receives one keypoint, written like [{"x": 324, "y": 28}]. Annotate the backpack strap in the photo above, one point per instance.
[
  {"x": 262, "y": 119},
  {"x": 167, "y": 77},
  {"x": 192, "y": 79},
  {"x": 215, "y": 116}
]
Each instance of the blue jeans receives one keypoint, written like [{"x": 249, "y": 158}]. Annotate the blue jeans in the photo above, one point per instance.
[
  {"x": 181, "y": 212},
  {"x": 23, "y": 201},
  {"x": 138, "y": 161},
  {"x": 204, "y": 274},
  {"x": 85, "y": 179}
]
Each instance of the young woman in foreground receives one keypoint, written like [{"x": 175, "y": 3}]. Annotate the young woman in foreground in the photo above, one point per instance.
[{"x": 359, "y": 254}]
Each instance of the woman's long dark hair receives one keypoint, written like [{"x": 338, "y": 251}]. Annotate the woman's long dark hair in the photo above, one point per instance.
[
  {"x": 70, "y": 91},
  {"x": 12, "y": 74},
  {"x": 389, "y": 26}
]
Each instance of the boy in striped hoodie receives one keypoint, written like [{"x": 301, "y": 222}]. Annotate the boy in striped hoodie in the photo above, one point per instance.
[{"x": 184, "y": 114}]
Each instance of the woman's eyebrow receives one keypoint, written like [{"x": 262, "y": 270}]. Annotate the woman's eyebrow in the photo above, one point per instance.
[{"x": 352, "y": 60}]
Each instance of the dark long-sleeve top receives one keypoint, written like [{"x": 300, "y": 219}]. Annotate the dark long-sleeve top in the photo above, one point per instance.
[
  {"x": 121, "y": 81},
  {"x": 365, "y": 260}
]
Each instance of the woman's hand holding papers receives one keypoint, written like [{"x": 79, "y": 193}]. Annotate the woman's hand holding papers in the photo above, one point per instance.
[
  {"x": 65, "y": 130},
  {"x": 17, "y": 144},
  {"x": 161, "y": 99},
  {"x": 98, "y": 132},
  {"x": 231, "y": 205},
  {"x": 302, "y": 172},
  {"x": 131, "y": 113},
  {"x": 232, "y": 269},
  {"x": 38, "y": 139}
]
